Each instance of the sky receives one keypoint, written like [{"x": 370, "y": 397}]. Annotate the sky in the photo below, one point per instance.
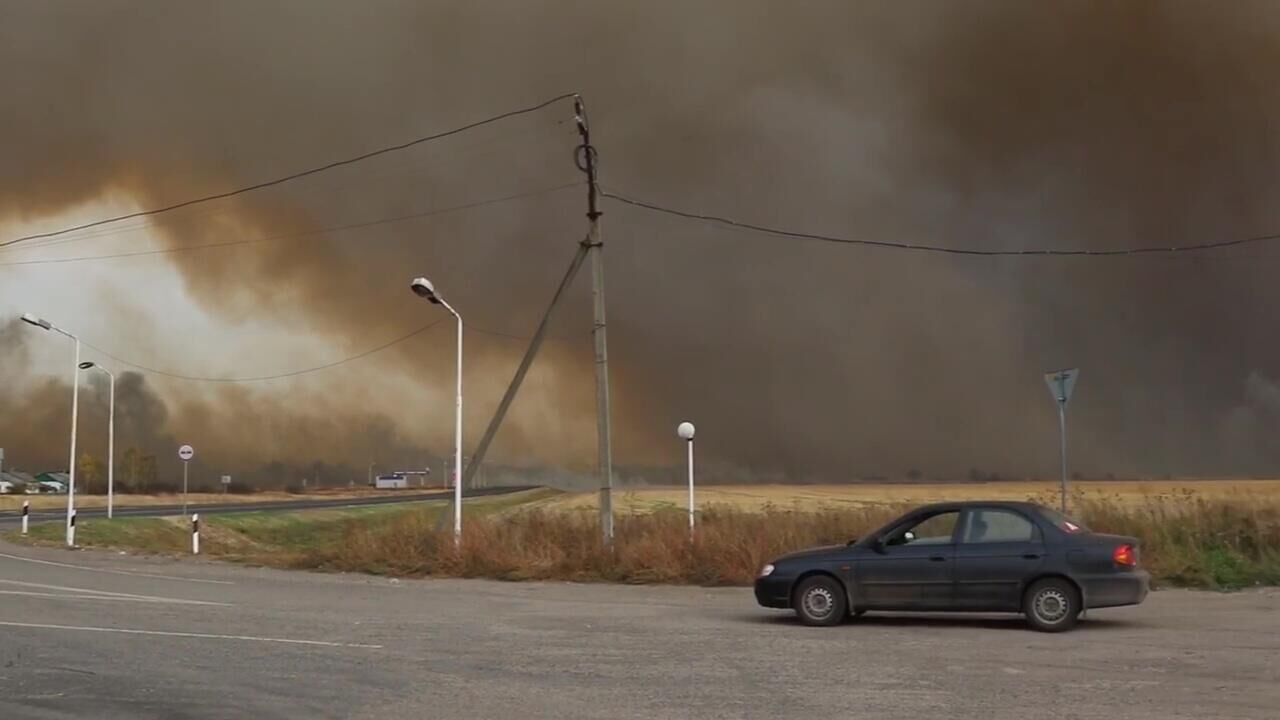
[{"x": 988, "y": 124}]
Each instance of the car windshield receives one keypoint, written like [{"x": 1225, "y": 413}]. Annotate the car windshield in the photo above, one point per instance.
[{"x": 1064, "y": 523}]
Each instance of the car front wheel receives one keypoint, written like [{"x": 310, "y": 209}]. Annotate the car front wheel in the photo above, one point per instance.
[
  {"x": 1052, "y": 605},
  {"x": 819, "y": 600}
]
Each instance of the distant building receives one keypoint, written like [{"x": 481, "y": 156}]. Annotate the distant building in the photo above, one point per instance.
[
  {"x": 394, "y": 481},
  {"x": 17, "y": 482},
  {"x": 53, "y": 482}
]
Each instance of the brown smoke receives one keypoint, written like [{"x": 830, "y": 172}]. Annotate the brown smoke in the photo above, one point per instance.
[{"x": 981, "y": 124}]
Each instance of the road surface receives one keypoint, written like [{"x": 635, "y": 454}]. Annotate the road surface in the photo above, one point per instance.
[
  {"x": 100, "y": 635},
  {"x": 13, "y": 517}
]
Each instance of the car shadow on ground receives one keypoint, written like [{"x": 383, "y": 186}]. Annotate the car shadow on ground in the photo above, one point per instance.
[{"x": 940, "y": 620}]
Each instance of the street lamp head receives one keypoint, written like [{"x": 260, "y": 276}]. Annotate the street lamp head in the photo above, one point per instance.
[
  {"x": 30, "y": 319},
  {"x": 685, "y": 431},
  {"x": 87, "y": 365},
  {"x": 423, "y": 288}
]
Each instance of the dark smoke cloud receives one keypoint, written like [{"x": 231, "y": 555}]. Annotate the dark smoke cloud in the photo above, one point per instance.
[{"x": 983, "y": 124}]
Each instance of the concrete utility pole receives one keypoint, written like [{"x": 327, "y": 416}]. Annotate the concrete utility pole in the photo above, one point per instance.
[
  {"x": 586, "y": 159},
  {"x": 538, "y": 336}
]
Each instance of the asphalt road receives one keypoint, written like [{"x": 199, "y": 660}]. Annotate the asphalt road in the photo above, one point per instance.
[
  {"x": 100, "y": 635},
  {"x": 12, "y": 517}
]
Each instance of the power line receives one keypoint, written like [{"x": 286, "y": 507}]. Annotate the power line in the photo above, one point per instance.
[
  {"x": 380, "y": 178},
  {"x": 263, "y": 378},
  {"x": 303, "y": 371},
  {"x": 305, "y": 233},
  {"x": 1025, "y": 252},
  {"x": 292, "y": 176}
]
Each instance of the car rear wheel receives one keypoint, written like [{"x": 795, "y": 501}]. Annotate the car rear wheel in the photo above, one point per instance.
[
  {"x": 819, "y": 600},
  {"x": 1052, "y": 605}
]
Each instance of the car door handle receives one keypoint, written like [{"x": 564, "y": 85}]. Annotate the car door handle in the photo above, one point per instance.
[
  {"x": 1031, "y": 556},
  {"x": 937, "y": 558}
]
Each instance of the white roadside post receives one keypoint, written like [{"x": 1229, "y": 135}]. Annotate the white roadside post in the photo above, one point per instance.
[
  {"x": 111, "y": 438},
  {"x": 26, "y": 511},
  {"x": 195, "y": 534},
  {"x": 185, "y": 453},
  {"x": 43, "y": 324},
  {"x": 423, "y": 288},
  {"x": 1061, "y": 383},
  {"x": 685, "y": 431}
]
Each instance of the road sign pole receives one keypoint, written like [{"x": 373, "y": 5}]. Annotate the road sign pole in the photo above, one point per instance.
[
  {"x": 1061, "y": 384},
  {"x": 1062, "y": 432},
  {"x": 185, "y": 453}
]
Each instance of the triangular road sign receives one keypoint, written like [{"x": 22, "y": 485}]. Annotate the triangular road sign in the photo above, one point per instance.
[{"x": 1061, "y": 383}]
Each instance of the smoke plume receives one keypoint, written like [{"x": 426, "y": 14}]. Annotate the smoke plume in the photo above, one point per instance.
[{"x": 978, "y": 124}]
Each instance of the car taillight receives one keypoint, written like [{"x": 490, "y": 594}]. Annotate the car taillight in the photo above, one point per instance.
[{"x": 1125, "y": 555}]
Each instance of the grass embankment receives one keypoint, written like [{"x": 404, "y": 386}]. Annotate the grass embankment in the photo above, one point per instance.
[
  {"x": 297, "y": 539},
  {"x": 54, "y": 502},
  {"x": 1187, "y": 540}
]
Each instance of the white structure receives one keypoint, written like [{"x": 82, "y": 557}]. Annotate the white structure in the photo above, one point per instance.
[
  {"x": 391, "y": 482},
  {"x": 685, "y": 432},
  {"x": 423, "y": 288},
  {"x": 43, "y": 324},
  {"x": 111, "y": 438}
]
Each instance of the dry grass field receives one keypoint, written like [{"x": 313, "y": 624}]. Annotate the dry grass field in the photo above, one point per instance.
[
  {"x": 754, "y": 498},
  {"x": 1212, "y": 534}
]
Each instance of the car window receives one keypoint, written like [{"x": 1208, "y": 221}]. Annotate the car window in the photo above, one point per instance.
[
  {"x": 996, "y": 526},
  {"x": 933, "y": 530}
]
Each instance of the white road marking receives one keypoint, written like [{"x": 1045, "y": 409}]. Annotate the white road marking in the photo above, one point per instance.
[
  {"x": 203, "y": 636},
  {"x": 114, "y": 572},
  {"x": 105, "y": 593},
  {"x": 99, "y": 598}
]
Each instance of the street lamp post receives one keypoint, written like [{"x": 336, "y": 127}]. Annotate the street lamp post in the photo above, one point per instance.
[
  {"x": 685, "y": 431},
  {"x": 111, "y": 438},
  {"x": 75, "y": 410},
  {"x": 423, "y": 288}
]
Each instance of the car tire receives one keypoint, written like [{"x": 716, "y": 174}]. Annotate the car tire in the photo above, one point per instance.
[
  {"x": 1052, "y": 605},
  {"x": 820, "y": 601}
]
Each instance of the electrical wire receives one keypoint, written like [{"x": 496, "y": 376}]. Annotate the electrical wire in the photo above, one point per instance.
[
  {"x": 1025, "y": 252},
  {"x": 263, "y": 378},
  {"x": 291, "y": 176},
  {"x": 306, "y": 371},
  {"x": 397, "y": 176},
  {"x": 305, "y": 233}
]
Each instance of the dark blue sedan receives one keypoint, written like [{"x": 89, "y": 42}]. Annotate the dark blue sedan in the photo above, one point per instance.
[{"x": 962, "y": 556}]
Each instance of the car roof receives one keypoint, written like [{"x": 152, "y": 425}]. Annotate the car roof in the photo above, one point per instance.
[{"x": 964, "y": 504}]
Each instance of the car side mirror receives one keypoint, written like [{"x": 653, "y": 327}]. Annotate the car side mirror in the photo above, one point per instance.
[{"x": 877, "y": 545}]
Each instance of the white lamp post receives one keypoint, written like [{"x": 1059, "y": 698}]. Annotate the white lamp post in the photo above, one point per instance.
[
  {"x": 75, "y": 410},
  {"x": 111, "y": 438},
  {"x": 423, "y": 288},
  {"x": 685, "y": 431}
]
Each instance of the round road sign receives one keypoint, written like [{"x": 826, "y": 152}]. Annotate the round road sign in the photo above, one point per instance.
[{"x": 186, "y": 452}]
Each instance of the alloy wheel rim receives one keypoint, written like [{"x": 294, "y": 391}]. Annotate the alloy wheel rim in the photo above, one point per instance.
[
  {"x": 818, "y": 602},
  {"x": 1052, "y": 605}
]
